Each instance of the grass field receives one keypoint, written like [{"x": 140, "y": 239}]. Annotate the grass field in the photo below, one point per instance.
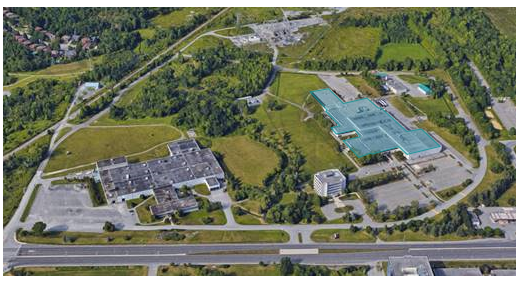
[
  {"x": 319, "y": 148},
  {"x": 153, "y": 237},
  {"x": 58, "y": 71},
  {"x": 401, "y": 106},
  {"x": 247, "y": 219},
  {"x": 413, "y": 79},
  {"x": 207, "y": 42},
  {"x": 27, "y": 209},
  {"x": 89, "y": 145},
  {"x": 229, "y": 270},
  {"x": 131, "y": 94},
  {"x": 256, "y": 14},
  {"x": 105, "y": 120},
  {"x": 235, "y": 31},
  {"x": 510, "y": 193},
  {"x": 428, "y": 105},
  {"x": 249, "y": 160},
  {"x": 81, "y": 271},
  {"x": 342, "y": 42},
  {"x": 409, "y": 235},
  {"x": 293, "y": 53},
  {"x": 504, "y": 19},
  {"x": 400, "y": 51},
  {"x": 143, "y": 211},
  {"x": 345, "y": 235},
  {"x": 448, "y": 193},
  {"x": 178, "y": 17},
  {"x": 452, "y": 139},
  {"x": 361, "y": 84},
  {"x": 196, "y": 217}
]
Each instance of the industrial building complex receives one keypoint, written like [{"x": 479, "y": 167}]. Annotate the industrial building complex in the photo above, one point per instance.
[
  {"x": 376, "y": 130},
  {"x": 187, "y": 165}
]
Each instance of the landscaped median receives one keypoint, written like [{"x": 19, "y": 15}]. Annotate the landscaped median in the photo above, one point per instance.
[
  {"x": 155, "y": 237},
  {"x": 134, "y": 270}
]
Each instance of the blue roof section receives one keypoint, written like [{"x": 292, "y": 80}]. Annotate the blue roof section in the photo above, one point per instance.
[
  {"x": 425, "y": 88},
  {"x": 377, "y": 130}
]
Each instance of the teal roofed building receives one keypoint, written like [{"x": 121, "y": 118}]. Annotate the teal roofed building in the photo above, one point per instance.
[
  {"x": 372, "y": 129},
  {"x": 424, "y": 89}
]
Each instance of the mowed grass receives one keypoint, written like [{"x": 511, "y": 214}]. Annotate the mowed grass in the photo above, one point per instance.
[
  {"x": 89, "y": 145},
  {"x": 81, "y": 271},
  {"x": 399, "y": 51},
  {"x": 345, "y": 235},
  {"x": 154, "y": 237},
  {"x": 342, "y": 42},
  {"x": 105, "y": 120},
  {"x": 510, "y": 193},
  {"x": 249, "y": 160},
  {"x": 504, "y": 19},
  {"x": 319, "y": 148},
  {"x": 207, "y": 42},
  {"x": 429, "y": 105},
  {"x": 229, "y": 270},
  {"x": 361, "y": 84},
  {"x": 409, "y": 235}
]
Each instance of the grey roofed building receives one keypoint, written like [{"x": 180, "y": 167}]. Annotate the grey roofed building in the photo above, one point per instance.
[
  {"x": 503, "y": 272},
  {"x": 187, "y": 165},
  {"x": 329, "y": 182},
  {"x": 409, "y": 266},
  {"x": 168, "y": 201},
  {"x": 471, "y": 271}
]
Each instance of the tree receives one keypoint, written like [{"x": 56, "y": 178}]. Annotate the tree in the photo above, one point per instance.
[
  {"x": 39, "y": 228},
  {"x": 109, "y": 227},
  {"x": 286, "y": 266},
  {"x": 512, "y": 131}
]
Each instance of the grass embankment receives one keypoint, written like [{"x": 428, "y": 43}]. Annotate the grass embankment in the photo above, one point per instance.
[
  {"x": 312, "y": 136},
  {"x": 361, "y": 84},
  {"x": 19, "y": 176},
  {"x": 80, "y": 271},
  {"x": 249, "y": 160},
  {"x": 155, "y": 237},
  {"x": 399, "y": 51},
  {"x": 27, "y": 209},
  {"x": 448, "y": 193},
  {"x": 341, "y": 42},
  {"x": 409, "y": 235},
  {"x": 344, "y": 235},
  {"x": 494, "y": 264},
  {"x": 229, "y": 270},
  {"x": 89, "y": 145},
  {"x": 59, "y": 71}
]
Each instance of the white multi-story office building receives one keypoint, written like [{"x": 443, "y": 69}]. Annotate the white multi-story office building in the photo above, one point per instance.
[{"x": 329, "y": 183}]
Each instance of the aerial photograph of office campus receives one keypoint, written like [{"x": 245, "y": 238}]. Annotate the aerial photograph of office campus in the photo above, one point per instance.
[{"x": 259, "y": 141}]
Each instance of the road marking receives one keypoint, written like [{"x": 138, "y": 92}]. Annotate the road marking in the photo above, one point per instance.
[
  {"x": 298, "y": 251},
  {"x": 108, "y": 255}
]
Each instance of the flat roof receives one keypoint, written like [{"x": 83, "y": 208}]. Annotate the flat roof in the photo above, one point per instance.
[
  {"x": 330, "y": 176},
  {"x": 377, "y": 130},
  {"x": 409, "y": 266}
]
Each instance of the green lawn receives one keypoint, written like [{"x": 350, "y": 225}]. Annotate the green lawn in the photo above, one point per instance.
[
  {"x": 202, "y": 189},
  {"x": 429, "y": 105},
  {"x": 342, "y": 42},
  {"x": 510, "y": 193},
  {"x": 247, "y": 159},
  {"x": 452, "y": 139},
  {"x": 143, "y": 211},
  {"x": 413, "y": 79},
  {"x": 399, "y": 51},
  {"x": 247, "y": 218},
  {"x": 235, "y": 31},
  {"x": 196, "y": 217},
  {"x": 504, "y": 19},
  {"x": 229, "y": 270},
  {"x": 251, "y": 205},
  {"x": 89, "y": 145},
  {"x": 105, "y": 120},
  {"x": 401, "y": 106},
  {"x": 448, "y": 193},
  {"x": 293, "y": 53},
  {"x": 159, "y": 151},
  {"x": 319, "y": 148},
  {"x": 345, "y": 235},
  {"x": 154, "y": 237},
  {"x": 409, "y": 235},
  {"x": 80, "y": 271},
  {"x": 361, "y": 84},
  {"x": 27, "y": 209},
  {"x": 63, "y": 131}
]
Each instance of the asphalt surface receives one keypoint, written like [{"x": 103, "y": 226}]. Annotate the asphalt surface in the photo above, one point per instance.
[{"x": 206, "y": 254}]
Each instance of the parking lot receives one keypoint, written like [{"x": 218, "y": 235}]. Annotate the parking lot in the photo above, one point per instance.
[
  {"x": 506, "y": 112},
  {"x": 399, "y": 193},
  {"x": 448, "y": 173},
  {"x": 508, "y": 228},
  {"x": 64, "y": 207}
]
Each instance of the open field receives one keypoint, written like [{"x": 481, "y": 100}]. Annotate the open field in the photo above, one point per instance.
[
  {"x": 504, "y": 19},
  {"x": 128, "y": 97},
  {"x": 256, "y": 14},
  {"x": 89, "y": 145},
  {"x": 342, "y": 42},
  {"x": 247, "y": 218},
  {"x": 58, "y": 71},
  {"x": 413, "y": 79},
  {"x": 293, "y": 53},
  {"x": 229, "y": 270},
  {"x": 235, "y": 31},
  {"x": 249, "y": 160},
  {"x": 400, "y": 105},
  {"x": 196, "y": 217},
  {"x": 207, "y": 42},
  {"x": 345, "y": 235},
  {"x": 429, "y": 105},
  {"x": 81, "y": 271},
  {"x": 143, "y": 211},
  {"x": 399, "y": 51},
  {"x": 452, "y": 139},
  {"x": 319, "y": 148},
  {"x": 155, "y": 237},
  {"x": 178, "y": 17},
  {"x": 105, "y": 120}
]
